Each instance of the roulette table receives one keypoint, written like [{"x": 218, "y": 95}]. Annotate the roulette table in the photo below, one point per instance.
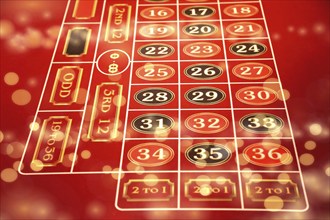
[{"x": 165, "y": 109}]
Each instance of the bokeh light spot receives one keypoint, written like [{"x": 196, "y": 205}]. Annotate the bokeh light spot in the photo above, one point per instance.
[
  {"x": 282, "y": 177},
  {"x": 302, "y": 31},
  {"x": 21, "y": 97},
  {"x": 116, "y": 175},
  {"x": 11, "y": 78},
  {"x": 319, "y": 28},
  {"x": 34, "y": 126},
  {"x": 16, "y": 165},
  {"x": 86, "y": 154},
  {"x": 247, "y": 173},
  {"x": 306, "y": 159},
  {"x": 205, "y": 190},
  {"x": 53, "y": 31},
  {"x": 8, "y": 175},
  {"x": 15, "y": 149},
  {"x": 6, "y": 29},
  {"x": 315, "y": 129},
  {"x": 1, "y": 136},
  {"x": 273, "y": 203},
  {"x": 327, "y": 171},
  {"x": 286, "y": 94},
  {"x": 291, "y": 28},
  {"x": 106, "y": 168},
  {"x": 310, "y": 145},
  {"x": 119, "y": 100},
  {"x": 81, "y": 96},
  {"x": 151, "y": 180},
  {"x": 95, "y": 210},
  {"x": 36, "y": 165}
]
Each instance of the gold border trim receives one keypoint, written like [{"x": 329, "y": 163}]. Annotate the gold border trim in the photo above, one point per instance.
[
  {"x": 249, "y": 195},
  {"x": 41, "y": 137},
  {"x": 127, "y": 27},
  {"x": 127, "y": 197},
  {"x": 75, "y": 91},
  {"x": 74, "y": 15},
  {"x": 114, "y": 131}
]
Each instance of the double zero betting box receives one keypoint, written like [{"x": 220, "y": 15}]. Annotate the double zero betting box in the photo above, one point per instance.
[{"x": 181, "y": 99}]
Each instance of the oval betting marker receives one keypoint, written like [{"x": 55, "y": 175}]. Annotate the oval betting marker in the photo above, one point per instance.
[
  {"x": 201, "y": 49},
  {"x": 150, "y": 154},
  {"x": 241, "y": 10},
  {"x": 244, "y": 29},
  {"x": 256, "y": 95},
  {"x": 261, "y": 123},
  {"x": 205, "y": 95},
  {"x": 199, "y": 11},
  {"x": 267, "y": 154},
  {"x": 203, "y": 71},
  {"x": 157, "y": 13},
  {"x": 248, "y": 49},
  {"x": 155, "y": 72},
  {"x": 200, "y": 29},
  {"x": 252, "y": 71},
  {"x": 154, "y": 96},
  {"x": 156, "y": 50},
  {"x": 152, "y": 123},
  {"x": 156, "y": 30},
  {"x": 206, "y": 123},
  {"x": 208, "y": 154}
]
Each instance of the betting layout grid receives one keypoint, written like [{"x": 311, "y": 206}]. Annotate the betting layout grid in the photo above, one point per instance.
[{"x": 124, "y": 74}]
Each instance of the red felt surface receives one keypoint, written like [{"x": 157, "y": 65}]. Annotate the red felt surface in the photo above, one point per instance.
[{"x": 300, "y": 34}]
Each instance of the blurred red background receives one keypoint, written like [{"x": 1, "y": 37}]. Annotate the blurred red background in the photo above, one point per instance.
[{"x": 28, "y": 30}]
